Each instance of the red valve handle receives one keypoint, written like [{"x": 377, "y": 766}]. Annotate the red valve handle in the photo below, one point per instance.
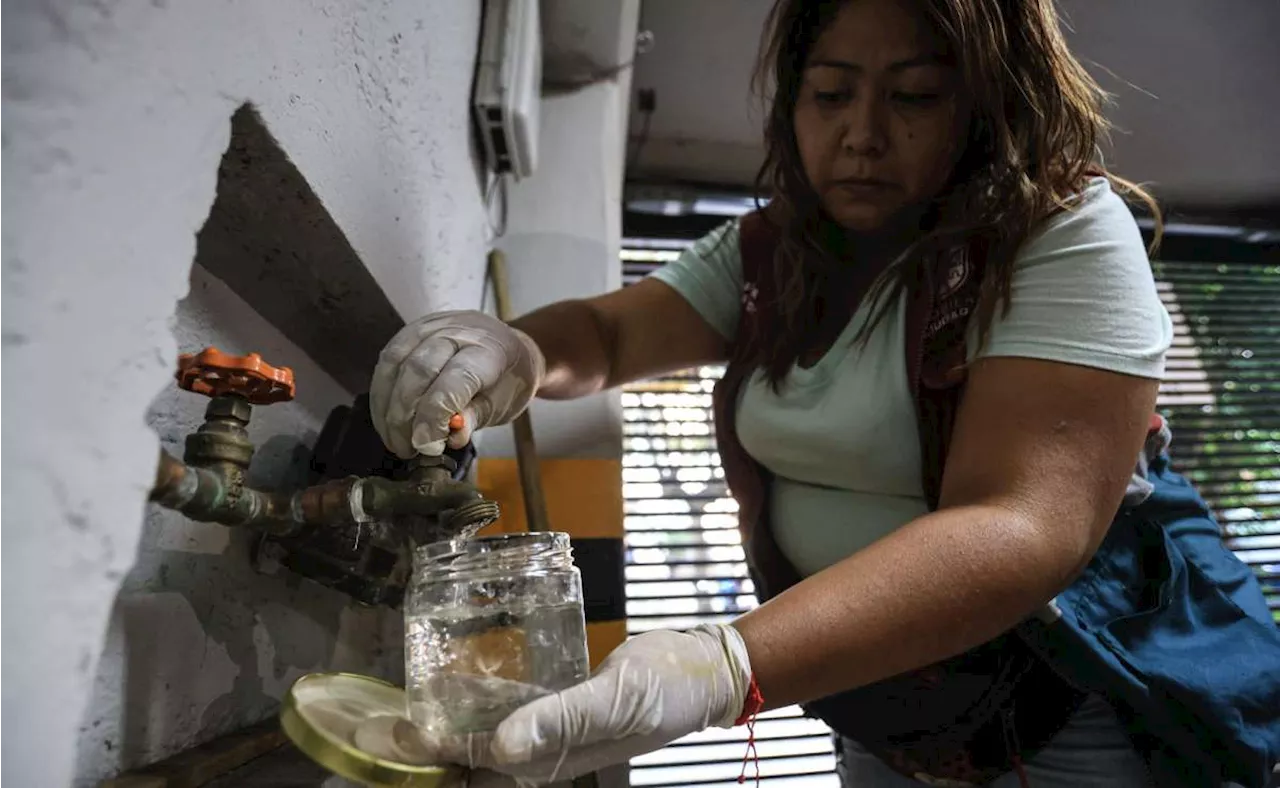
[{"x": 214, "y": 373}]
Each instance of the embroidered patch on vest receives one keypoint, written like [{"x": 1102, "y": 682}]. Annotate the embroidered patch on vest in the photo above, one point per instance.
[
  {"x": 955, "y": 301},
  {"x": 749, "y": 295},
  {"x": 957, "y": 273}
]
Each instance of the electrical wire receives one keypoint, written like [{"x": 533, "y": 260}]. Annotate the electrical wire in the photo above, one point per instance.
[
  {"x": 641, "y": 139},
  {"x": 644, "y": 43},
  {"x": 496, "y": 192},
  {"x": 593, "y": 78}
]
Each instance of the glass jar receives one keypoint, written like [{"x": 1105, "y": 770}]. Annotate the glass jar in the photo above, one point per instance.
[{"x": 491, "y": 623}]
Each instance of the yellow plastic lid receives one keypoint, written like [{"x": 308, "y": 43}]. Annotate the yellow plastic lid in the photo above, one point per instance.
[{"x": 355, "y": 727}]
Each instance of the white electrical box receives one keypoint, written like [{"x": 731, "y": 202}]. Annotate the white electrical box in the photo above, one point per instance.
[{"x": 508, "y": 87}]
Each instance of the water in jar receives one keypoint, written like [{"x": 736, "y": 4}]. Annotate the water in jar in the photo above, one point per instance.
[{"x": 477, "y": 648}]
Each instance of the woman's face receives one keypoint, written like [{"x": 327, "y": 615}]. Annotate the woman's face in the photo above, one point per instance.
[{"x": 879, "y": 119}]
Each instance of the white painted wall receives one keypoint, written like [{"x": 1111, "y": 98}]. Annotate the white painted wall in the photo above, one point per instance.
[{"x": 115, "y": 117}]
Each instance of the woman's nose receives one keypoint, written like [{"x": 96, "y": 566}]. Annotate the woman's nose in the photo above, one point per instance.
[{"x": 864, "y": 131}]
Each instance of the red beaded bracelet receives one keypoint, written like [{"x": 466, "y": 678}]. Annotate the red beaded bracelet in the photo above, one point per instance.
[{"x": 753, "y": 704}]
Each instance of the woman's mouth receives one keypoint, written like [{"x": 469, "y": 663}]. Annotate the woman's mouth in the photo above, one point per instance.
[{"x": 863, "y": 188}]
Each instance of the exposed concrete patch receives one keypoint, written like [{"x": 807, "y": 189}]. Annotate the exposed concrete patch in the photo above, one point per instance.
[{"x": 274, "y": 243}]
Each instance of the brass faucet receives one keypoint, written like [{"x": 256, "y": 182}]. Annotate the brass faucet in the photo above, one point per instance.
[{"x": 208, "y": 484}]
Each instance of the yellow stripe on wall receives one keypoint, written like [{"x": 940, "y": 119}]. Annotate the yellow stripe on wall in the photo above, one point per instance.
[
  {"x": 603, "y": 637},
  {"x": 584, "y": 496}
]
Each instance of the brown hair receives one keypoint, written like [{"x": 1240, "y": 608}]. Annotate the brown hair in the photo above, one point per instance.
[{"x": 1036, "y": 121}]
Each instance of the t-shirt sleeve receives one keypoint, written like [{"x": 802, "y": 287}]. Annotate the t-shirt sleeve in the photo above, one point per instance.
[
  {"x": 1083, "y": 293},
  {"x": 709, "y": 276}
]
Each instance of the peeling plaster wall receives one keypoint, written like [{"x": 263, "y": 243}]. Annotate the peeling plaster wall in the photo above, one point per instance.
[{"x": 116, "y": 115}]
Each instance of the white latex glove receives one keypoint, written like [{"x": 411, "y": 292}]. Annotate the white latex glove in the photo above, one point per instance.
[
  {"x": 446, "y": 363},
  {"x": 650, "y": 691}
]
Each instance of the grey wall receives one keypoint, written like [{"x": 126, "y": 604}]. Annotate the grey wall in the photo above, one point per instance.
[{"x": 116, "y": 116}]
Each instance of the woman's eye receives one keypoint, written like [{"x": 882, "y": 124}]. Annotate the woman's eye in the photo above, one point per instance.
[
  {"x": 831, "y": 97},
  {"x": 917, "y": 99}
]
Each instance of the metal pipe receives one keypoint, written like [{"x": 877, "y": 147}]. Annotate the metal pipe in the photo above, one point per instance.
[{"x": 207, "y": 495}]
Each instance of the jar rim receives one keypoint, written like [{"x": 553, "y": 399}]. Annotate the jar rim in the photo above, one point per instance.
[{"x": 495, "y": 545}]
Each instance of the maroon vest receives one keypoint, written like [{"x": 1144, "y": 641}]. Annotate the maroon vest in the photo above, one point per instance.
[{"x": 973, "y": 717}]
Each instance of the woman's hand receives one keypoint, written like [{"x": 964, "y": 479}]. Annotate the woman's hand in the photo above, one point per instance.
[
  {"x": 447, "y": 363},
  {"x": 650, "y": 691}
]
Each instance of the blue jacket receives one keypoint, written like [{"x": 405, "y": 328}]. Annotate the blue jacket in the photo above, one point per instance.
[{"x": 1171, "y": 627}]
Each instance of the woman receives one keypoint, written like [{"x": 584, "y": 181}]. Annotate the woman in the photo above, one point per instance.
[{"x": 937, "y": 226}]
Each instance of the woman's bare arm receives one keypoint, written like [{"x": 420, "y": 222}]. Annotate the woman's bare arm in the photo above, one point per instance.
[
  {"x": 1039, "y": 461},
  {"x": 630, "y": 334}
]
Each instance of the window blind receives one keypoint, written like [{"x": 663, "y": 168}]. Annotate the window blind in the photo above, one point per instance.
[{"x": 1221, "y": 395}]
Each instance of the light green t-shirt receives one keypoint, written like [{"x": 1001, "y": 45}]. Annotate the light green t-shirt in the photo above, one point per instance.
[{"x": 840, "y": 437}]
